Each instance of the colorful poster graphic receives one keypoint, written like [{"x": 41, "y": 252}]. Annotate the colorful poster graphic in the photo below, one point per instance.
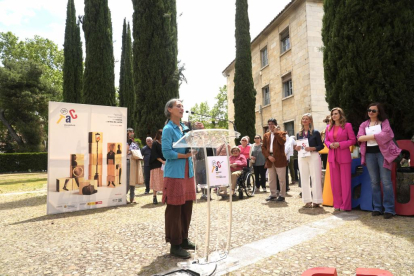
[
  {"x": 218, "y": 170},
  {"x": 86, "y": 157}
]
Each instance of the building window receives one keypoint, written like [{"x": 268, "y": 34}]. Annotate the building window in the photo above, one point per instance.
[
  {"x": 284, "y": 41},
  {"x": 287, "y": 85},
  {"x": 266, "y": 95},
  {"x": 290, "y": 128},
  {"x": 263, "y": 55}
]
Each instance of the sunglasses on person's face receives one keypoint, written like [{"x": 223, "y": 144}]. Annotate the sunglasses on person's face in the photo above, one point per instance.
[
  {"x": 256, "y": 137},
  {"x": 244, "y": 140},
  {"x": 372, "y": 110}
]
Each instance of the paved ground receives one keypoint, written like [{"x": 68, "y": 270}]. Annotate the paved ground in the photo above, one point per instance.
[{"x": 129, "y": 240}]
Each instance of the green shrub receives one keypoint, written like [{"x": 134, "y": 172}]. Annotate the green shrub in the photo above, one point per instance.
[{"x": 23, "y": 162}]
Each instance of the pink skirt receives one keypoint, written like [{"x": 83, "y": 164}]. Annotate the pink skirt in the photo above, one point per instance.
[
  {"x": 156, "y": 179},
  {"x": 179, "y": 190}
]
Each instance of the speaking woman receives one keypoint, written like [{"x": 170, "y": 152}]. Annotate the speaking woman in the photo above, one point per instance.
[
  {"x": 339, "y": 137},
  {"x": 179, "y": 190}
]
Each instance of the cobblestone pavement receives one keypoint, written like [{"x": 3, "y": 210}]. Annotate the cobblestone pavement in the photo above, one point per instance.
[{"x": 129, "y": 240}]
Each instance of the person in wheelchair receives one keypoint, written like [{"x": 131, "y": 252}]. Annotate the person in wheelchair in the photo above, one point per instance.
[{"x": 237, "y": 163}]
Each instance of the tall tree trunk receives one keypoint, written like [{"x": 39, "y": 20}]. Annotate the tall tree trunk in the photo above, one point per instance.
[{"x": 12, "y": 132}]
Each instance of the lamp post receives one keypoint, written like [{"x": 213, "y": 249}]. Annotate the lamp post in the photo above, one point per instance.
[{"x": 97, "y": 139}]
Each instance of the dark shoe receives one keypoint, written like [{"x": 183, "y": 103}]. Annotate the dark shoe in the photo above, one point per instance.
[
  {"x": 178, "y": 251},
  {"x": 203, "y": 197},
  {"x": 146, "y": 192},
  {"x": 300, "y": 195},
  {"x": 375, "y": 213},
  {"x": 187, "y": 244},
  {"x": 64, "y": 188},
  {"x": 308, "y": 205},
  {"x": 388, "y": 215},
  {"x": 280, "y": 198},
  {"x": 271, "y": 198},
  {"x": 154, "y": 200}
]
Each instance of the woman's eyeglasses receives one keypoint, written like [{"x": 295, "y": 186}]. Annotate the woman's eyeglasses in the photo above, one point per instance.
[
  {"x": 256, "y": 137},
  {"x": 372, "y": 110}
]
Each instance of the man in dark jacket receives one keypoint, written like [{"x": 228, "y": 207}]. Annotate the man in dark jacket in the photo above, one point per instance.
[{"x": 146, "y": 152}]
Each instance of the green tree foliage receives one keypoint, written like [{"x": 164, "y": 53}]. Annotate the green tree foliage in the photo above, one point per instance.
[
  {"x": 202, "y": 114},
  {"x": 219, "y": 109},
  {"x": 73, "y": 58},
  {"x": 24, "y": 97},
  {"x": 215, "y": 117},
  {"x": 31, "y": 76},
  {"x": 369, "y": 57},
  {"x": 39, "y": 50},
  {"x": 126, "y": 85},
  {"x": 244, "y": 92},
  {"x": 156, "y": 75},
  {"x": 98, "y": 80}
]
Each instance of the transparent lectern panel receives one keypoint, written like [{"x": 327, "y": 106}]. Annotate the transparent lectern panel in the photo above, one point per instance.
[{"x": 209, "y": 138}]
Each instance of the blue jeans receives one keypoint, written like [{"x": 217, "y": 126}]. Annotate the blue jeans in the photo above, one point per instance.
[{"x": 380, "y": 174}]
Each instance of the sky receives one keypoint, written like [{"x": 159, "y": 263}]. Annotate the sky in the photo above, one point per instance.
[{"x": 206, "y": 43}]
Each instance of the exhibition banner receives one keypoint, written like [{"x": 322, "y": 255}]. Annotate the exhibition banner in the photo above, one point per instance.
[{"x": 86, "y": 157}]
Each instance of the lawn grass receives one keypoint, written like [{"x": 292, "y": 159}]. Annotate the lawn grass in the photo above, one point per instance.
[{"x": 22, "y": 182}]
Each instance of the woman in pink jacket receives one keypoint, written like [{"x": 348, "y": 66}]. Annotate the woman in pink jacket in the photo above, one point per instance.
[
  {"x": 378, "y": 151},
  {"x": 339, "y": 137}
]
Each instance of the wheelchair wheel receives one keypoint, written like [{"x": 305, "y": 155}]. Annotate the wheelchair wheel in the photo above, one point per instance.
[{"x": 250, "y": 185}]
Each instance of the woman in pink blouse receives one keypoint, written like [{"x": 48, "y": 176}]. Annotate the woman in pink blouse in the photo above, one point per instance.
[
  {"x": 237, "y": 162},
  {"x": 245, "y": 147},
  {"x": 339, "y": 137}
]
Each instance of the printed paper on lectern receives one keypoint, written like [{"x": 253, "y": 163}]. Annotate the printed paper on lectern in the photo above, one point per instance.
[{"x": 218, "y": 170}]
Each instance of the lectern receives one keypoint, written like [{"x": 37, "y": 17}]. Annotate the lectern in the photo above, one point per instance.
[{"x": 210, "y": 170}]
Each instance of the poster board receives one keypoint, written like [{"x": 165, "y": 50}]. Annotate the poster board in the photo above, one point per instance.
[{"x": 86, "y": 157}]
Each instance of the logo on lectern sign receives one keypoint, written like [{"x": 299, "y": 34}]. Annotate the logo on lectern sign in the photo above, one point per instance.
[{"x": 218, "y": 170}]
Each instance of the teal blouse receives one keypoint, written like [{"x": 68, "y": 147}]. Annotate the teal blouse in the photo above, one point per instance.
[{"x": 174, "y": 167}]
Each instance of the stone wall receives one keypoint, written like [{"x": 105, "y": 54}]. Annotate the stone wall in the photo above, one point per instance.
[{"x": 303, "y": 61}]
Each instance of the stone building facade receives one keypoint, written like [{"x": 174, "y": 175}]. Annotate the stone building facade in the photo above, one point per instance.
[{"x": 287, "y": 63}]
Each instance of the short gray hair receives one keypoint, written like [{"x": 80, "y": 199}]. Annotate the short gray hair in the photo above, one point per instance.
[
  {"x": 170, "y": 104},
  {"x": 148, "y": 138},
  {"x": 245, "y": 137}
]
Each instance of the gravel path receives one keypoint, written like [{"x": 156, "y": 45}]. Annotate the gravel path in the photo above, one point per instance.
[{"x": 129, "y": 240}]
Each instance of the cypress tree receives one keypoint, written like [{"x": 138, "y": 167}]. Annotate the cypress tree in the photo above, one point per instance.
[
  {"x": 126, "y": 85},
  {"x": 154, "y": 61},
  {"x": 244, "y": 92},
  {"x": 122, "y": 67},
  {"x": 369, "y": 57},
  {"x": 73, "y": 58},
  {"x": 98, "y": 86}
]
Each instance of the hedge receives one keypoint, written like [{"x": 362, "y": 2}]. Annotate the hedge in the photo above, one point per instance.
[{"x": 23, "y": 162}]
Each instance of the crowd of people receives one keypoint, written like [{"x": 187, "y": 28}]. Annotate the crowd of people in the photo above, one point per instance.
[{"x": 170, "y": 170}]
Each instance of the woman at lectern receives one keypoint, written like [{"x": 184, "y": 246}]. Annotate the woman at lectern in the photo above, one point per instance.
[{"x": 179, "y": 190}]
